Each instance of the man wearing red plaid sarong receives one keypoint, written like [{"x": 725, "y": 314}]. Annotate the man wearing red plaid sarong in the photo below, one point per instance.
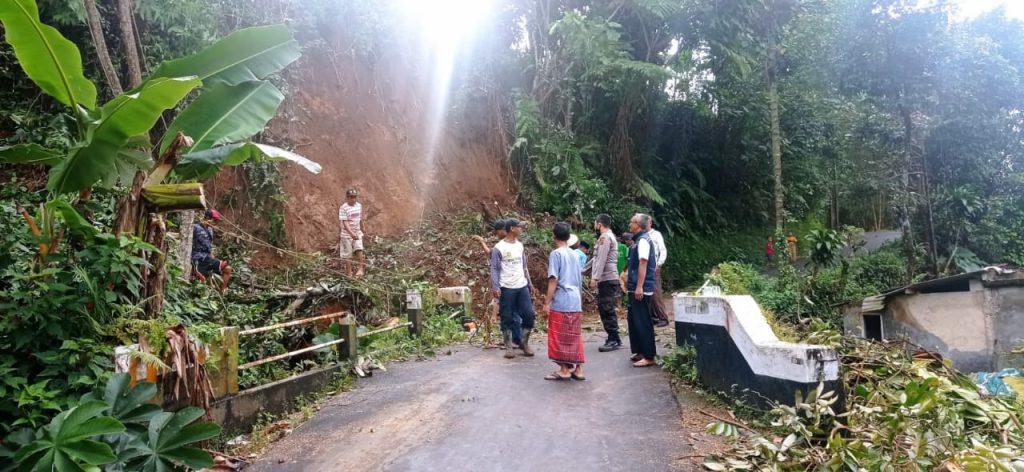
[{"x": 564, "y": 307}]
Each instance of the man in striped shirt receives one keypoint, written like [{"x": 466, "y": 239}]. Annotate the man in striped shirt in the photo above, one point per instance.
[{"x": 351, "y": 215}]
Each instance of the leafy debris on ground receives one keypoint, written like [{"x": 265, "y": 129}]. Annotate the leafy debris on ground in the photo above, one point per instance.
[{"x": 904, "y": 412}]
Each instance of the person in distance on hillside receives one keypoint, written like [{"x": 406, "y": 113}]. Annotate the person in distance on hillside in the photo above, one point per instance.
[
  {"x": 604, "y": 277},
  {"x": 791, "y": 247},
  {"x": 564, "y": 308},
  {"x": 350, "y": 215},
  {"x": 657, "y": 304},
  {"x": 498, "y": 228},
  {"x": 640, "y": 284},
  {"x": 203, "y": 262},
  {"x": 511, "y": 286},
  {"x": 769, "y": 250}
]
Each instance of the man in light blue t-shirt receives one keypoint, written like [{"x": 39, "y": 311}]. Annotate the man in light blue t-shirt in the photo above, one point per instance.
[{"x": 564, "y": 307}]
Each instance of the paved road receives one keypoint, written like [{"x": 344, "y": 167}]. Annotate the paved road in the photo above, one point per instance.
[
  {"x": 873, "y": 241},
  {"x": 475, "y": 411}
]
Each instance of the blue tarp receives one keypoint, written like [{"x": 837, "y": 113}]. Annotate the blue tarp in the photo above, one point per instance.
[{"x": 991, "y": 383}]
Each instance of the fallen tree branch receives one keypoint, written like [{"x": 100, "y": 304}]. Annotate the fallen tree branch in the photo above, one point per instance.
[
  {"x": 310, "y": 291},
  {"x": 734, "y": 423}
]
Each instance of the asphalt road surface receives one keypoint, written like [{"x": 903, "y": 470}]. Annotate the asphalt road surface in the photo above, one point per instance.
[{"x": 472, "y": 410}]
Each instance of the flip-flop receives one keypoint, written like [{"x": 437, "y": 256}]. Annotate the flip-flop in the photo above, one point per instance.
[
  {"x": 638, "y": 363},
  {"x": 577, "y": 377},
  {"x": 635, "y": 358},
  {"x": 554, "y": 376}
]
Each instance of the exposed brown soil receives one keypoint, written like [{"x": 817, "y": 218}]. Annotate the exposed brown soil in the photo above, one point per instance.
[{"x": 369, "y": 127}]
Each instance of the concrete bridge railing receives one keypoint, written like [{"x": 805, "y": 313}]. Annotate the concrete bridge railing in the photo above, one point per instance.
[{"x": 738, "y": 353}]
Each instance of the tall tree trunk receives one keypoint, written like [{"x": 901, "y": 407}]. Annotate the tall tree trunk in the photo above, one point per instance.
[
  {"x": 904, "y": 203},
  {"x": 156, "y": 232},
  {"x": 92, "y": 14},
  {"x": 185, "y": 220},
  {"x": 932, "y": 244},
  {"x": 771, "y": 67},
  {"x": 621, "y": 145},
  {"x": 128, "y": 210},
  {"x": 131, "y": 53}
]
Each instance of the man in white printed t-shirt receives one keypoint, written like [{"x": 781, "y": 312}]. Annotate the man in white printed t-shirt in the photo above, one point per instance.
[
  {"x": 511, "y": 286},
  {"x": 351, "y": 214}
]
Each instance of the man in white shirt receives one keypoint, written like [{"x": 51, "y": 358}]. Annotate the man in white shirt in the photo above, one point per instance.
[
  {"x": 640, "y": 286},
  {"x": 658, "y": 306},
  {"x": 511, "y": 286},
  {"x": 351, "y": 215}
]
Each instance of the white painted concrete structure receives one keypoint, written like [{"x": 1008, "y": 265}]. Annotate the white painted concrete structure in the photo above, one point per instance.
[{"x": 748, "y": 329}]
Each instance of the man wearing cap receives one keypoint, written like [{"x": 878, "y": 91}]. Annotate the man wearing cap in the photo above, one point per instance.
[
  {"x": 351, "y": 214},
  {"x": 203, "y": 261},
  {"x": 498, "y": 227},
  {"x": 511, "y": 286},
  {"x": 604, "y": 277}
]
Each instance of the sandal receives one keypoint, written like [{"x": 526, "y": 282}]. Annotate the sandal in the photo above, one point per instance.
[
  {"x": 636, "y": 357},
  {"x": 574, "y": 376},
  {"x": 556, "y": 377},
  {"x": 644, "y": 363}
]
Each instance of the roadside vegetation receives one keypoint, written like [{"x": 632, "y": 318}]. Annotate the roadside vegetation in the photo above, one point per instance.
[{"x": 731, "y": 121}]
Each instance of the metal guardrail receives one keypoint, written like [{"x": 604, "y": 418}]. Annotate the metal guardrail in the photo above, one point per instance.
[
  {"x": 286, "y": 355},
  {"x": 383, "y": 330},
  {"x": 344, "y": 338},
  {"x": 264, "y": 329},
  {"x": 349, "y": 337}
]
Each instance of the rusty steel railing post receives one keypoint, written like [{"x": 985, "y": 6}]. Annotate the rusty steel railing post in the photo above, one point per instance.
[
  {"x": 349, "y": 350},
  {"x": 414, "y": 307}
]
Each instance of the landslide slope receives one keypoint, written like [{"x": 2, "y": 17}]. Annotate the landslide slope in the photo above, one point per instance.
[{"x": 375, "y": 127}]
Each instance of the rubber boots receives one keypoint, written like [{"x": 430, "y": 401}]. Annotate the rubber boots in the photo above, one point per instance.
[
  {"x": 510, "y": 351},
  {"x": 525, "y": 345}
]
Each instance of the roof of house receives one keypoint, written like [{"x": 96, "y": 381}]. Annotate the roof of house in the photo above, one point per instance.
[{"x": 992, "y": 276}]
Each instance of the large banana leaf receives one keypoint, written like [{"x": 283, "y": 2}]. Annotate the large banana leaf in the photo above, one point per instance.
[
  {"x": 66, "y": 444},
  {"x": 120, "y": 119},
  {"x": 29, "y": 154},
  {"x": 47, "y": 57},
  {"x": 134, "y": 155},
  {"x": 204, "y": 164},
  {"x": 165, "y": 445},
  {"x": 247, "y": 54},
  {"x": 226, "y": 114}
]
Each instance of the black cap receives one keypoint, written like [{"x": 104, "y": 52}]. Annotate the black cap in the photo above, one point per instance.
[
  {"x": 626, "y": 236},
  {"x": 497, "y": 224},
  {"x": 512, "y": 223},
  {"x": 352, "y": 193}
]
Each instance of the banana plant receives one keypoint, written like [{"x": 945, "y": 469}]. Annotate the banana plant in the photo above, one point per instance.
[
  {"x": 67, "y": 444},
  {"x": 233, "y": 104},
  {"x": 116, "y": 429}
]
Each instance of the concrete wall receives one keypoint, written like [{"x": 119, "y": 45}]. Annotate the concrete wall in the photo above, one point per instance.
[
  {"x": 1007, "y": 306},
  {"x": 240, "y": 411},
  {"x": 953, "y": 324},
  {"x": 738, "y": 353}
]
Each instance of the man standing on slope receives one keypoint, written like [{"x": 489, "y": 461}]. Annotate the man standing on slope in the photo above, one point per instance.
[
  {"x": 657, "y": 305},
  {"x": 511, "y": 285},
  {"x": 351, "y": 214},
  {"x": 203, "y": 261},
  {"x": 640, "y": 286},
  {"x": 604, "y": 277}
]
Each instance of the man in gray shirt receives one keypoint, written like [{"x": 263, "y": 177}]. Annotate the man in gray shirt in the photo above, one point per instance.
[{"x": 605, "y": 278}]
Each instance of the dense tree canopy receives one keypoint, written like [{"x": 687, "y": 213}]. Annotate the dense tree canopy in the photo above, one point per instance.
[{"x": 887, "y": 113}]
